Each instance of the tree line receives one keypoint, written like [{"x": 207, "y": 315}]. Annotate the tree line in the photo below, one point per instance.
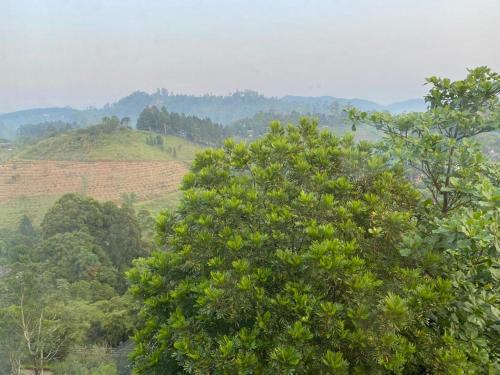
[
  {"x": 35, "y": 132},
  {"x": 197, "y": 130}
]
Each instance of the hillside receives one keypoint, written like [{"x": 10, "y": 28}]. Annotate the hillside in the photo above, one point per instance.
[
  {"x": 122, "y": 144},
  {"x": 106, "y": 166},
  {"x": 31, "y": 186}
]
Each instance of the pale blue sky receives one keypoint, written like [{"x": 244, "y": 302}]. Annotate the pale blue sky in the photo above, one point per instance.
[{"x": 88, "y": 52}]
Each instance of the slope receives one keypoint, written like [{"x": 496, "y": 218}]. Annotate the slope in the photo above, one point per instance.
[{"x": 122, "y": 144}]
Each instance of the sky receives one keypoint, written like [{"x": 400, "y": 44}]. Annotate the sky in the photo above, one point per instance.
[{"x": 88, "y": 52}]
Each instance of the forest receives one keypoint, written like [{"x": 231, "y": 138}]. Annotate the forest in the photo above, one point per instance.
[
  {"x": 64, "y": 289},
  {"x": 202, "y": 131},
  {"x": 295, "y": 249}
]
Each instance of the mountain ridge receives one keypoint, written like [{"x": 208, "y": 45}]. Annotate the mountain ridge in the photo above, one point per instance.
[{"x": 221, "y": 109}]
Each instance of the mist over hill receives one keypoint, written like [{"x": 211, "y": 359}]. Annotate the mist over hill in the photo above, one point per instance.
[{"x": 220, "y": 109}]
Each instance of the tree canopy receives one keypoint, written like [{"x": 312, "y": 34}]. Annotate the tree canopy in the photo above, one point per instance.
[
  {"x": 283, "y": 258},
  {"x": 63, "y": 289},
  {"x": 306, "y": 253},
  {"x": 114, "y": 229}
]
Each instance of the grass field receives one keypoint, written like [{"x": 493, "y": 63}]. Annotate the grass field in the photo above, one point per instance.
[
  {"x": 35, "y": 208},
  {"x": 166, "y": 202}
]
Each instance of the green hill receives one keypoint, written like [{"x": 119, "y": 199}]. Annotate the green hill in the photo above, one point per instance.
[{"x": 121, "y": 144}]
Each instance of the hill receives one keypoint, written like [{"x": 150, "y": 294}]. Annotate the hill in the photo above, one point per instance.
[
  {"x": 122, "y": 144},
  {"x": 104, "y": 164}
]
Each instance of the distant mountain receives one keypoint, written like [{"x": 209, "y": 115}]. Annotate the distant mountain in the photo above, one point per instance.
[
  {"x": 411, "y": 105},
  {"x": 66, "y": 114},
  {"x": 9, "y": 122},
  {"x": 220, "y": 109}
]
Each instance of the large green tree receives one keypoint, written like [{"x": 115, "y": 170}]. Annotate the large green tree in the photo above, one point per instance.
[{"x": 283, "y": 258}]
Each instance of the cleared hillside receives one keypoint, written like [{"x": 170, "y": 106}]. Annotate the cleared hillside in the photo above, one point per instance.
[
  {"x": 30, "y": 187},
  {"x": 123, "y": 144}
]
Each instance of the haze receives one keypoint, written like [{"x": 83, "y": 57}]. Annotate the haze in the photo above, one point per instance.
[{"x": 82, "y": 53}]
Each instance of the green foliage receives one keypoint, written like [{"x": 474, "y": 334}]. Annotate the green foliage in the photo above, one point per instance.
[
  {"x": 61, "y": 290},
  {"x": 469, "y": 242},
  {"x": 71, "y": 213},
  {"x": 283, "y": 258},
  {"x": 459, "y": 235},
  {"x": 16, "y": 246},
  {"x": 155, "y": 141},
  {"x": 75, "y": 256},
  {"x": 113, "y": 228},
  {"x": 108, "y": 125},
  {"x": 35, "y": 316},
  {"x": 437, "y": 144},
  {"x": 87, "y": 361},
  {"x": 26, "y": 227},
  {"x": 34, "y": 132},
  {"x": 129, "y": 199},
  {"x": 336, "y": 122}
]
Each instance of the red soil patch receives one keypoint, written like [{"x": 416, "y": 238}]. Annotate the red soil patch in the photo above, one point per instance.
[{"x": 103, "y": 180}]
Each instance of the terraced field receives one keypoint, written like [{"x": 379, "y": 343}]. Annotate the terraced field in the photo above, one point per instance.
[
  {"x": 105, "y": 180},
  {"x": 31, "y": 186}
]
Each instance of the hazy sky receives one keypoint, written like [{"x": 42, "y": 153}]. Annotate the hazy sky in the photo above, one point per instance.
[{"x": 89, "y": 52}]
